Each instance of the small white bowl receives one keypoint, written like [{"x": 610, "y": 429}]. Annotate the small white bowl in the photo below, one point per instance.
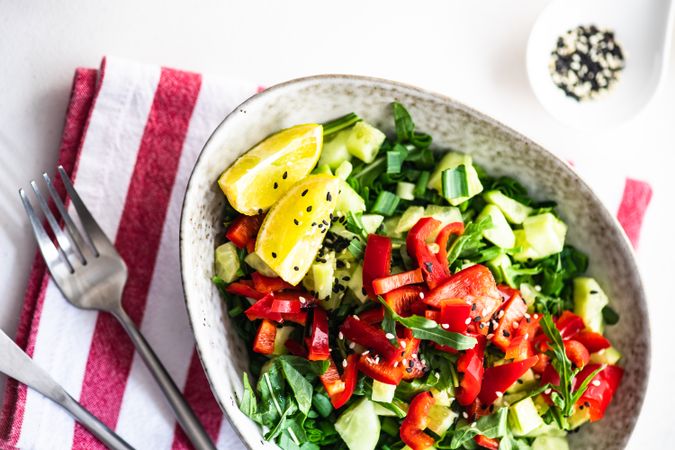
[
  {"x": 498, "y": 149},
  {"x": 641, "y": 28}
]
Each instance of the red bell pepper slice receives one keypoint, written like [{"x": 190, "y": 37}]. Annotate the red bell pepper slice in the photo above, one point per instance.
[
  {"x": 376, "y": 261},
  {"x": 331, "y": 380},
  {"x": 373, "y": 315},
  {"x": 415, "y": 422},
  {"x": 379, "y": 370},
  {"x": 296, "y": 348},
  {"x": 433, "y": 270},
  {"x": 349, "y": 378},
  {"x": 264, "y": 338},
  {"x": 514, "y": 309},
  {"x": 244, "y": 230},
  {"x": 521, "y": 346},
  {"x": 262, "y": 309},
  {"x": 391, "y": 282},
  {"x": 264, "y": 284},
  {"x": 497, "y": 379},
  {"x": 486, "y": 442},
  {"x": 577, "y": 353},
  {"x": 456, "y": 228},
  {"x": 455, "y": 314},
  {"x": 542, "y": 364},
  {"x": 600, "y": 391},
  {"x": 569, "y": 324},
  {"x": 410, "y": 362},
  {"x": 475, "y": 285},
  {"x": 593, "y": 341},
  {"x": 317, "y": 342},
  {"x": 406, "y": 300},
  {"x": 286, "y": 306},
  {"x": 471, "y": 365},
  {"x": 242, "y": 288},
  {"x": 370, "y": 337}
]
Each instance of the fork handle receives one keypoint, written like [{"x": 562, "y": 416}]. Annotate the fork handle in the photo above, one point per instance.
[
  {"x": 186, "y": 417},
  {"x": 109, "y": 438}
]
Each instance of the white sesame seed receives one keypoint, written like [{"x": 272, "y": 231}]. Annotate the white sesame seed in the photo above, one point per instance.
[
  {"x": 302, "y": 299},
  {"x": 516, "y": 325},
  {"x": 465, "y": 415},
  {"x": 344, "y": 363},
  {"x": 414, "y": 356},
  {"x": 404, "y": 362},
  {"x": 468, "y": 320},
  {"x": 537, "y": 288},
  {"x": 403, "y": 344},
  {"x": 547, "y": 391},
  {"x": 366, "y": 352},
  {"x": 352, "y": 345},
  {"x": 389, "y": 336},
  {"x": 499, "y": 394},
  {"x": 536, "y": 316},
  {"x": 421, "y": 294},
  {"x": 396, "y": 364},
  {"x": 501, "y": 314},
  {"x": 341, "y": 336},
  {"x": 595, "y": 383},
  {"x": 445, "y": 326},
  {"x": 537, "y": 376},
  {"x": 490, "y": 336},
  {"x": 437, "y": 375},
  {"x": 473, "y": 424},
  {"x": 527, "y": 335},
  {"x": 527, "y": 316},
  {"x": 356, "y": 317}
]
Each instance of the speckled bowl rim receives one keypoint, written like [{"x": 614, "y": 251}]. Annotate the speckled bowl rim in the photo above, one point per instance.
[{"x": 581, "y": 184}]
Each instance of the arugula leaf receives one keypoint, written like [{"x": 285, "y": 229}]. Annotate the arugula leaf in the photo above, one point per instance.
[
  {"x": 584, "y": 384},
  {"x": 509, "y": 442},
  {"x": 302, "y": 389},
  {"x": 561, "y": 364},
  {"x": 470, "y": 240},
  {"x": 389, "y": 326},
  {"x": 423, "y": 328},
  {"x": 282, "y": 423},
  {"x": 405, "y": 128},
  {"x": 492, "y": 426}
]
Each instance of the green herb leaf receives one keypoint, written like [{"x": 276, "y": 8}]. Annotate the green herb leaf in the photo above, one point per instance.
[
  {"x": 302, "y": 389},
  {"x": 610, "y": 316},
  {"x": 405, "y": 128},
  {"x": 395, "y": 159},
  {"x": 492, "y": 426},
  {"x": 455, "y": 183},
  {"x": 333, "y": 126},
  {"x": 385, "y": 203},
  {"x": 584, "y": 384},
  {"x": 423, "y": 328},
  {"x": 389, "y": 326},
  {"x": 303, "y": 365},
  {"x": 249, "y": 403},
  {"x": 470, "y": 240}
]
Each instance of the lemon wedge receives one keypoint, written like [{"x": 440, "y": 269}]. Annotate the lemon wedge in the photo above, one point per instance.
[
  {"x": 293, "y": 230},
  {"x": 267, "y": 171}
]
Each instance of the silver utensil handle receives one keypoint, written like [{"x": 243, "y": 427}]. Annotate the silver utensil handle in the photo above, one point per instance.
[
  {"x": 95, "y": 426},
  {"x": 186, "y": 417}
]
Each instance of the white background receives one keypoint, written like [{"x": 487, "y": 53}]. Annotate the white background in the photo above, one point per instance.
[{"x": 473, "y": 51}]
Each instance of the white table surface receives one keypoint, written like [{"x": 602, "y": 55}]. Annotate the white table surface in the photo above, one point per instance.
[{"x": 473, "y": 51}]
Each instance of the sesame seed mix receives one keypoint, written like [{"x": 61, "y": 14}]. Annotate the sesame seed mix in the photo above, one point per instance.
[{"x": 586, "y": 62}]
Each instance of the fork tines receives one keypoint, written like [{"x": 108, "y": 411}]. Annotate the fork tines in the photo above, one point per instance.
[{"x": 74, "y": 247}]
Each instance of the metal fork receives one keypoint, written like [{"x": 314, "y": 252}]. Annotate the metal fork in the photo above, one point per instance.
[{"x": 91, "y": 275}]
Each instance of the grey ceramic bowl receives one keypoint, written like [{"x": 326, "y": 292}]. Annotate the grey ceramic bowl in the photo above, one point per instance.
[{"x": 500, "y": 150}]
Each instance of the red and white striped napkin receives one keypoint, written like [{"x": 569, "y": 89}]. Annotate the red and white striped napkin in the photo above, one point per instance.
[{"x": 131, "y": 136}]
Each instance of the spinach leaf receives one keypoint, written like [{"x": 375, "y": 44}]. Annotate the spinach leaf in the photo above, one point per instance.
[
  {"x": 302, "y": 389},
  {"x": 303, "y": 365},
  {"x": 405, "y": 128},
  {"x": 509, "y": 442},
  {"x": 249, "y": 403}
]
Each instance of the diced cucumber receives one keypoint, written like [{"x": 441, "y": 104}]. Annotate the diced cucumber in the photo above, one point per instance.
[
  {"x": 389, "y": 226},
  {"x": 383, "y": 392},
  {"x": 499, "y": 266},
  {"x": 541, "y": 403},
  {"x": 253, "y": 260},
  {"x": 323, "y": 275},
  {"x": 359, "y": 426},
  {"x": 356, "y": 284},
  {"x": 409, "y": 218},
  {"x": 523, "y": 417},
  {"x": 550, "y": 443},
  {"x": 547, "y": 429},
  {"x": 334, "y": 152},
  {"x": 524, "y": 383},
  {"x": 227, "y": 264},
  {"x": 364, "y": 141},
  {"x": 283, "y": 333},
  {"x": 529, "y": 294},
  {"x": 405, "y": 190},
  {"x": 440, "y": 419},
  {"x": 383, "y": 411},
  {"x": 589, "y": 299},
  {"x": 371, "y": 222},
  {"x": 526, "y": 251},
  {"x": 444, "y": 214},
  {"x": 579, "y": 417},
  {"x": 500, "y": 233},
  {"x": 344, "y": 170},
  {"x": 323, "y": 168},
  {"x": 348, "y": 200},
  {"x": 450, "y": 161},
  {"x": 514, "y": 211},
  {"x": 443, "y": 397},
  {"x": 609, "y": 356},
  {"x": 545, "y": 233}
]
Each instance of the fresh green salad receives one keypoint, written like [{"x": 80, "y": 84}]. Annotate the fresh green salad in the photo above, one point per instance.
[{"x": 395, "y": 297}]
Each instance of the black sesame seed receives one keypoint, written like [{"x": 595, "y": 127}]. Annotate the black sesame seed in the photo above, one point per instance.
[
  {"x": 309, "y": 208},
  {"x": 328, "y": 196},
  {"x": 506, "y": 333},
  {"x": 274, "y": 255},
  {"x": 346, "y": 278},
  {"x": 492, "y": 408},
  {"x": 473, "y": 306},
  {"x": 519, "y": 381},
  {"x": 260, "y": 211},
  {"x": 594, "y": 292},
  {"x": 481, "y": 325},
  {"x": 313, "y": 224},
  {"x": 363, "y": 291},
  {"x": 285, "y": 175},
  {"x": 429, "y": 266},
  {"x": 295, "y": 221},
  {"x": 276, "y": 185},
  {"x": 296, "y": 268},
  {"x": 408, "y": 369},
  {"x": 477, "y": 319},
  {"x": 304, "y": 192}
]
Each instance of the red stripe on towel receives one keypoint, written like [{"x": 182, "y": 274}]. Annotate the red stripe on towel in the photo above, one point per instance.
[
  {"x": 198, "y": 393},
  {"x": 81, "y": 99},
  {"x": 137, "y": 241},
  {"x": 636, "y": 197}
]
